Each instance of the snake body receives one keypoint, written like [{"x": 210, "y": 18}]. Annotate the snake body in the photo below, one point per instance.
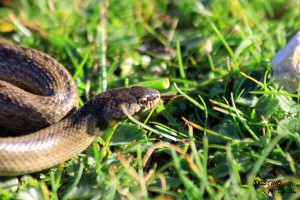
[{"x": 37, "y": 92}]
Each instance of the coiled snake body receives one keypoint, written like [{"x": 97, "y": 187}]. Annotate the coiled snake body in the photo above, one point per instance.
[{"x": 37, "y": 92}]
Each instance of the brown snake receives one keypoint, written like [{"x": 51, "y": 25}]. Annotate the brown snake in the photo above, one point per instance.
[{"x": 37, "y": 92}]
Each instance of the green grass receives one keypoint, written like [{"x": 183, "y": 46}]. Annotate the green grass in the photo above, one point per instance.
[{"x": 231, "y": 127}]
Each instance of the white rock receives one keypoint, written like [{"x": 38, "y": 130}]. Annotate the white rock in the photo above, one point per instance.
[{"x": 286, "y": 65}]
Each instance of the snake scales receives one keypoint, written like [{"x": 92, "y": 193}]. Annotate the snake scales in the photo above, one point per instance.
[{"x": 37, "y": 92}]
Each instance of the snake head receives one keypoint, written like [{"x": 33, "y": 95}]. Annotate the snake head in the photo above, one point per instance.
[
  {"x": 136, "y": 99},
  {"x": 145, "y": 99}
]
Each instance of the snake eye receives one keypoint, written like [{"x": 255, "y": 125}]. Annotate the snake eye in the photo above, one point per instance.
[{"x": 143, "y": 101}]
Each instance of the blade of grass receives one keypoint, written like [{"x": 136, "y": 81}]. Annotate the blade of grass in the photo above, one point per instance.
[
  {"x": 180, "y": 65},
  {"x": 75, "y": 182}
]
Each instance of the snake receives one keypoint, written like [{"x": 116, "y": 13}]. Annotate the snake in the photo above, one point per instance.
[{"x": 38, "y": 105}]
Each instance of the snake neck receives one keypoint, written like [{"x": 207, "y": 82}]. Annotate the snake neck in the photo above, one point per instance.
[{"x": 93, "y": 117}]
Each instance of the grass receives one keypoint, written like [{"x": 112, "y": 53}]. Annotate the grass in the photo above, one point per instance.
[{"x": 232, "y": 135}]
